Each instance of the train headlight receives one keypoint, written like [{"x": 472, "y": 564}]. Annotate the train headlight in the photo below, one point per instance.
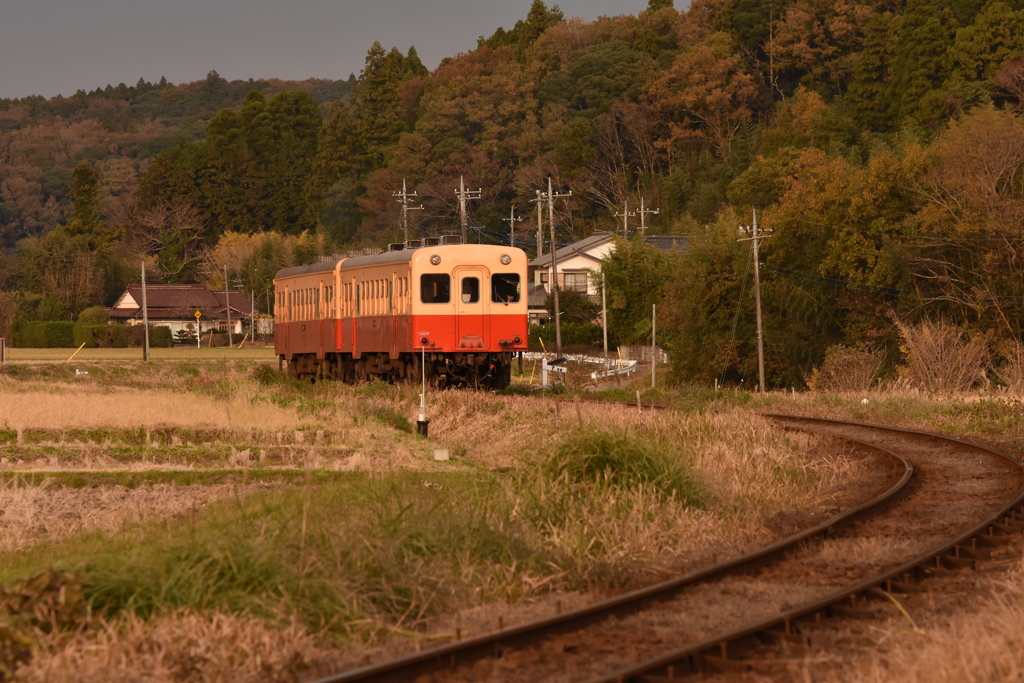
[
  {"x": 505, "y": 259},
  {"x": 424, "y": 341},
  {"x": 518, "y": 341},
  {"x": 435, "y": 259}
]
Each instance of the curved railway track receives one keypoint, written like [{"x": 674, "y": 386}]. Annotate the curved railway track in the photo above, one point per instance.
[{"x": 945, "y": 503}]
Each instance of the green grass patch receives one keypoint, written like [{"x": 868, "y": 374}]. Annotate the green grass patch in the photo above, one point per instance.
[{"x": 618, "y": 460}]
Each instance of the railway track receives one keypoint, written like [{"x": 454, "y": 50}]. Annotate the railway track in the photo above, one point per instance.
[{"x": 945, "y": 503}]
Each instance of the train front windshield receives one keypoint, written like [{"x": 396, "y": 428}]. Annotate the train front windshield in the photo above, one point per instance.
[{"x": 505, "y": 288}]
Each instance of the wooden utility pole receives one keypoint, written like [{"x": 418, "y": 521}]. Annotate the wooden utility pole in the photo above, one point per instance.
[
  {"x": 756, "y": 238},
  {"x": 541, "y": 197},
  {"x": 403, "y": 199},
  {"x": 554, "y": 263},
  {"x": 654, "y": 343},
  {"x": 604, "y": 323},
  {"x": 464, "y": 196},
  {"x": 145, "y": 317},
  {"x": 227, "y": 306},
  {"x": 625, "y": 216}
]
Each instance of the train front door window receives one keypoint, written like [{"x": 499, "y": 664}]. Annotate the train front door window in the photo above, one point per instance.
[
  {"x": 470, "y": 321},
  {"x": 470, "y": 290}
]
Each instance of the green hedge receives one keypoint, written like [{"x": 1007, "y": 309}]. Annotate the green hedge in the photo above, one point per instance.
[
  {"x": 48, "y": 335},
  {"x": 70, "y": 335}
]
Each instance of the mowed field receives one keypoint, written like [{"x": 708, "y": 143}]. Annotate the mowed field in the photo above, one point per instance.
[{"x": 214, "y": 520}]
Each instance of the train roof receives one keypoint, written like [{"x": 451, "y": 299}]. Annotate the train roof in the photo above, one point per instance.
[{"x": 398, "y": 256}]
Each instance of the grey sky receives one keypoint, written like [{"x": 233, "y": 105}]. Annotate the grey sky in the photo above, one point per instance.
[{"x": 59, "y": 46}]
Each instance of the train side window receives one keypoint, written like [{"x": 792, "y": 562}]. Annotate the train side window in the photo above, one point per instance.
[
  {"x": 435, "y": 288},
  {"x": 505, "y": 288},
  {"x": 470, "y": 290}
]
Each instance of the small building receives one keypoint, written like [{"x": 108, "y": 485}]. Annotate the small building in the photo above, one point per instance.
[{"x": 175, "y": 306}]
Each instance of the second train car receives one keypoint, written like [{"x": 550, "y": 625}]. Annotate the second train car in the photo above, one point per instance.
[{"x": 460, "y": 307}]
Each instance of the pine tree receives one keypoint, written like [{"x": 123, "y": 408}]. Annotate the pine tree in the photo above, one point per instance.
[
  {"x": 413, "y": 66},
  {"x": 85, "y": 190}
]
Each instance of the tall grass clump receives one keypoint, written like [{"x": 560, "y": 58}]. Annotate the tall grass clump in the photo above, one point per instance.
[{"x": 618, "y": 460}]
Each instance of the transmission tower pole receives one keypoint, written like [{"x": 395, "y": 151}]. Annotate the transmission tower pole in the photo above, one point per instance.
[
  {"x": 756, "y": 238},
  {"x": 625, "y": 216},
  {"x": 643, "y": 213},
  {"x": 403, "y": 199},
  {"x": 512, "y": 220},
  {"x": 464, "y": 196},
  {"x": 552, "y": 196}
]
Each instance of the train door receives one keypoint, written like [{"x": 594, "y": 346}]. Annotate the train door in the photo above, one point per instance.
[{"x": 470, "y": 321}]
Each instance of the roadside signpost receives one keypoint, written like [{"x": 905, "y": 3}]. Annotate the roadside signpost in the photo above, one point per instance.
[{"x": 198, "y": 315}]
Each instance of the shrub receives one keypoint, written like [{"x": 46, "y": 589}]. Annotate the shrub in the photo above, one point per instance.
[
  {"x": 92, "y": 336},
  {"x": 95, "y": 315},
  {"x": 616, "y": 459},
  {"x": 573, "y": 334},
  {"x": 160, "y": 337},
  {"x": 846, "y": 369},
  {"x": 941, "y": 357}
]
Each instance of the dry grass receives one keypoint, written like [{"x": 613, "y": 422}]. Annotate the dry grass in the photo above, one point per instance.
[
  {"x": 36, "y": 514},
  {"x": 982, "y": 644},
  {"x": 178, "y": 647},
  {"x": 247, "y": 353},
  {"x": 61, "y": 406}
]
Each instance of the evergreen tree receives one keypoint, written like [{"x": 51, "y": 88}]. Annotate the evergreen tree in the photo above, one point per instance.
[
  {"x": 85, "y": 190},
  {"x": 413, "y": 66}
]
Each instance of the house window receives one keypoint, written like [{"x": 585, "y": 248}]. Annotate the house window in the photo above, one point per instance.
[
  {"x": 575, "y": 282},
  {"x": 435, "y": 288}
]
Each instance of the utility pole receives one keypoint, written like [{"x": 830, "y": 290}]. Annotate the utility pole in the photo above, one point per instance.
[
  {"x": 512, "y": 220},
  {"x": 227, "y": 306},
  {"x": 604, "y": 322},
  {"x": 465, "y": 195},
  {"x": 552, "y": 196},
  {"x": 756, "y": 238},
  {"x": 654, "y": 343},
  {"x": 541, "y": 198},
  {"x": 403, "y": 199},
  {"x": 643, "y": 213},
  {"x": 145, "y": 316},
  {"x": 625, "y": 216}
]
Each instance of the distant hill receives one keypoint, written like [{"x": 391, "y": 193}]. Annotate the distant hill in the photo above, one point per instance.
[{"x": 117, "y": 129}]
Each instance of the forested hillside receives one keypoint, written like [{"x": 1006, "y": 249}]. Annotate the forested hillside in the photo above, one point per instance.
[{"x": 881, "y": 141}]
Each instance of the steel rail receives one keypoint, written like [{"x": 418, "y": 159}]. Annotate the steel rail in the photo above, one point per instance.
[
  {"x": 713, "y": 654},
  {"x": 461, "y": 653}
]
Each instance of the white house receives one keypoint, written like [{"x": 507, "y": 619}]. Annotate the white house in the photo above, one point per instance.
[{"x": 577, "y": 263}]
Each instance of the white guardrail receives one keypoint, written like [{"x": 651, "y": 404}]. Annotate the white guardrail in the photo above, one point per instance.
[{"x": 615, "y": 367}]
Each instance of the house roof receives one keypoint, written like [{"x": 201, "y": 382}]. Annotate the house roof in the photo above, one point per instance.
[
  {"x": 575, "y": 249},
  {"x": 537, "y": 296},
  {"x": 176, "y": 301},
  {"x": 239, "y": 301}
]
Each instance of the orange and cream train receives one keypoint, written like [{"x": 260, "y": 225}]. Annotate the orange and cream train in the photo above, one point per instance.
[{"x": 462, "y": 305}]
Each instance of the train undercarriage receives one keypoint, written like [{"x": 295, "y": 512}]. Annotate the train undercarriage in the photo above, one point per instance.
[{"x": 492, "y": 371}]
